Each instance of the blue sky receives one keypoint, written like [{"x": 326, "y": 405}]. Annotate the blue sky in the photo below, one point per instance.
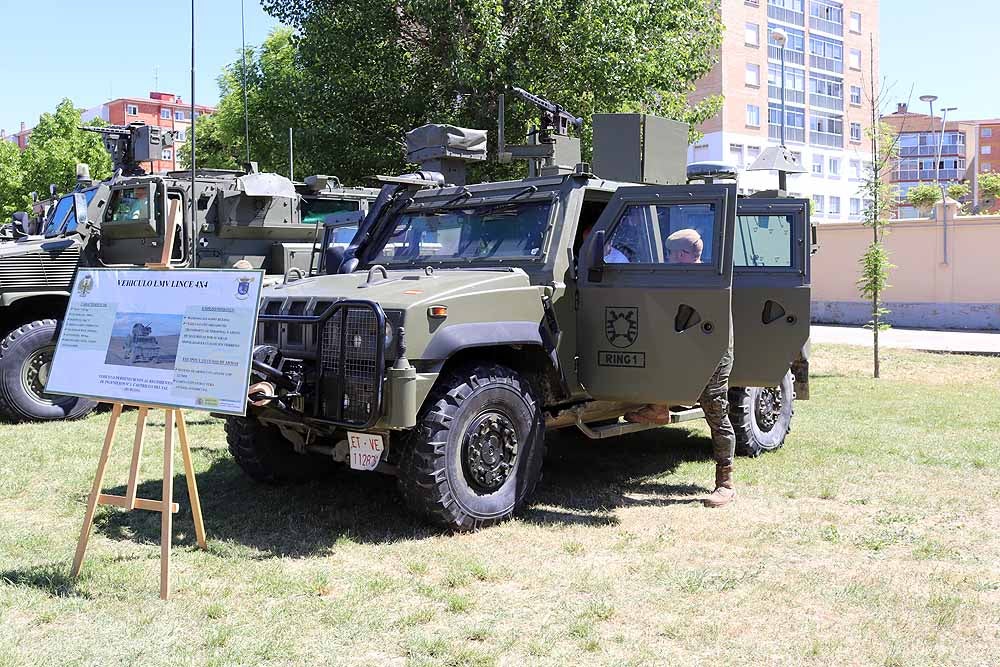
[{"x": 64, "y": 48}]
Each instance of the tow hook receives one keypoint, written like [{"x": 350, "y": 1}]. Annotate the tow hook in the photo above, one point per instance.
[{"x": 261, "y": 393}]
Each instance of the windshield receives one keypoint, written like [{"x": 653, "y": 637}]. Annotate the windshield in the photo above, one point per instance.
[
  {"x": 316, "y": 210},
  {"x": 514, "y": 230},
  {"x": 62, "y": 211}
]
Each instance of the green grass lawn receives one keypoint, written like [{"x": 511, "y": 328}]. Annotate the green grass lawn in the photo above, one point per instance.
[{"x": 870, "y": 539}]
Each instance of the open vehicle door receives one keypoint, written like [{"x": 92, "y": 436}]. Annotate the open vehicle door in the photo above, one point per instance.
[
  {"x": 652, "y": 322},
  {"x": 771, "y": 288}
]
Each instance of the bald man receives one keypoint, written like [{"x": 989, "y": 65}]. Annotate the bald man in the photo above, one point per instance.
[{"x": 685, "y": 247}]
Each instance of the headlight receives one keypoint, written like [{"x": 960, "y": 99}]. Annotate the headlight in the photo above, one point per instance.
[{"x": 393, "y": 321}]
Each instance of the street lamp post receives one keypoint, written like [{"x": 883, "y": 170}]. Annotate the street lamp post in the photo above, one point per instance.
[
  {"x": 930, "y": 99},
  {"x": 780, "y": 37}
]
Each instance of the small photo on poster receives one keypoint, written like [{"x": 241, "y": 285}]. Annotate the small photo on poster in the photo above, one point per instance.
[{"x": 146, "y": 340}]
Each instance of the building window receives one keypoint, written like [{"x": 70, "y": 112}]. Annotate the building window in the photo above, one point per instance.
[
  {"x": 753, "y": 152},
  {"x": 168, "y": 154},
  {"x": 987, "y": 132},
  {"x": 855, "y": 207},
  {"x": 818, "y": 165},
  {"x": 834, "y": 205},
  {"x": 856, "y": 170},
  {"x": 854, "y": 59},
  {"x": 751, "y": 35},
  {"x": 753, "y": 75},
  {"x": 855, "y": 22},
  {"x": 855, "y": 131},
  {"x": 834, "y": 167},
  {"x": 819, "y": 203},
  {"x": 986, "y": 150},
  {"x": 178, "y": 115},
  {"x": 987, "y": 167},
  {"x": 131, "y": 110},
  {"x": 181, "y": 135},
  {"x": 736, "y": 154},
  {"x": 753, "y": 115},
  {"x": 165, "y": 114},
  {"x": 856, "y": 95}
]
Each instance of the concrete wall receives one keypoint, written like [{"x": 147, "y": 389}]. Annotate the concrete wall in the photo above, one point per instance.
[{"x": 963, "y": 293}]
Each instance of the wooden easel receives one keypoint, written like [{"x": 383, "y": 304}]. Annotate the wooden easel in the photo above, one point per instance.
[{"x": 166, "y": 506}]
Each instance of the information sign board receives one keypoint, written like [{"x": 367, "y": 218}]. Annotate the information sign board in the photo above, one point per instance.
[{"x": 179, "y": 338}]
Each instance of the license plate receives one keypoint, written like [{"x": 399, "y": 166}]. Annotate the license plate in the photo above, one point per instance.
[{"x": 366, "y": 450}]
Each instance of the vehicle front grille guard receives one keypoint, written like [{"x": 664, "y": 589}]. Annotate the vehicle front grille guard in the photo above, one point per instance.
[{"x": 350, "y": 360}]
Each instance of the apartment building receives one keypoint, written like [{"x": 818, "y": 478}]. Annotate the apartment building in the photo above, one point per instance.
[
  {"x": 164, "y": 110},
  {"x": 827, "y": 58}
]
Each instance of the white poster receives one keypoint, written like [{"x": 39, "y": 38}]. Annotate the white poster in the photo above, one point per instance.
[{"x": 180, "y": 338}]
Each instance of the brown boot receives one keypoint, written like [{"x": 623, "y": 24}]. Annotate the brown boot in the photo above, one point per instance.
[{"x": 724, "y": 493}]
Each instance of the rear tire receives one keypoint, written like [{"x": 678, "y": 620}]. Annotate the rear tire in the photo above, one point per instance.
[
  {"x": 265, "y": 456},
  {"x": 476, "y": 453},
  {"x": 25, "y": 359},
  {"x": 762, "y": 416}
]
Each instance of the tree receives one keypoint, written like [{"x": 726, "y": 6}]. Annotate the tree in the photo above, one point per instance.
[
  {"x": 13, "y": 196},
  {"x": 923, "y": 196},
  {"x": 215, "y": 149},
  {"x": 989, "y": 186},
  {"x": 881, "y": 197},
  {"x": 56, "y": 146},
  {"x": 445, "y": 61},
  {"x": 959, "y": 191}
]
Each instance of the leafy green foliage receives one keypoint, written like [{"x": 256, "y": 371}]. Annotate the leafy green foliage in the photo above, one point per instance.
[
  {"x": 13, "y": 196},
  {"x": 874, "y": 280},
  {"x": 55, "y": 147},
  {"x": 989, "y": 186},
  {"x": 354, "y": 76},
  {"x": 924, "y": 195},
  {"x": 959, "y": 191}
]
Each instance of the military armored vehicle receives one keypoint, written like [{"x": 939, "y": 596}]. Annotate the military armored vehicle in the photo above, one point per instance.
[
  {"x": 141, "y": 345},
  {"x": 547, "y": 302},
  {"x": 242, "y": 216}
]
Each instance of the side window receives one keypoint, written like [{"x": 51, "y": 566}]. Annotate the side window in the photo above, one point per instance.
[
  {"x": 663, "y": 234},
  {"x": 763, "y": 241}
]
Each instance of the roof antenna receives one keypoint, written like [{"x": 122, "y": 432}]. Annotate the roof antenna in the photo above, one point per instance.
[{"x": 246, "y": 109}]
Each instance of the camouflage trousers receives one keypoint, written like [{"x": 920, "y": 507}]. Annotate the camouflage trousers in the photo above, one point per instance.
[{"x": 715, "y": 402}]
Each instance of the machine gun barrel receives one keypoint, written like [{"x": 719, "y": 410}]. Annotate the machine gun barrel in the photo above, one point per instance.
[{"x": 556, "y": 110}]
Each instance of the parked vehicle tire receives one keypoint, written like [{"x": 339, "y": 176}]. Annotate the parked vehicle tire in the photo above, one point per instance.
[
  {"x": 25, "y": 359},
  {"x": 265, "y": 456},
  {"x": 476, "y": 452},
  {"x": 762, "y": 416}
]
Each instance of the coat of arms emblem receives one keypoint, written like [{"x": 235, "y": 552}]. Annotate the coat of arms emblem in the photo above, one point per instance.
[
  {"x": 243, "y": 287},
  {"x": 85, "y": 286},
  {"x": 621, "y": 325}
]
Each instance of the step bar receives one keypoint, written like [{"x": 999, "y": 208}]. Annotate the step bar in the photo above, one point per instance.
[{"x": 677, "y": 415}]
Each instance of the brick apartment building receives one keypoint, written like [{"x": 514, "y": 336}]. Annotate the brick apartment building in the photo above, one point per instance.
[
  {"x": 827, "y": 59},
  {"x": 164, "y": 110},
  {"x": 968, "y": 148}
]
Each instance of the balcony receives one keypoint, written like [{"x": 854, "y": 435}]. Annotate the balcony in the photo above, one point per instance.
[
  {"x": 796, "y": 134},
  {"x": 791, "y": 96},
  {"x": 786, "y": 15},
  {"x": 927, "y": 174},
  {"x": 817, "y": 138},
  {"x": 826, "y": 101},
  {"x": 829, "y": 64},
  {"x": 831, "y": 27},
  {"x": 791, "y": 57},
  {"x": 947, "y": 150}
]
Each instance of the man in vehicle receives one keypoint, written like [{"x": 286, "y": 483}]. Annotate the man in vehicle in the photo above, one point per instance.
[
  {"x": 685, "y": 246},
  {"x": 612, "y": 255}
]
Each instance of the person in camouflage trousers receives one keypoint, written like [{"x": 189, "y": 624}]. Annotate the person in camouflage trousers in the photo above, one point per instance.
[{"x": 685, "y": 247}]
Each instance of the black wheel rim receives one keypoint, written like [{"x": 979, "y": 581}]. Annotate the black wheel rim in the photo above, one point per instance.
[
  {"x": 489, "y": 451},
  {"x": 35, "y": 373},
  {"x": 767, "y": 407}
]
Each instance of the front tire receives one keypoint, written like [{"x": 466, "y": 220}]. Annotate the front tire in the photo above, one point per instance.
[
  {"x": 476, "y": 453},
  {"x": 265, "y": 456},
  {"x": 762, "y": 416},
  {"x": 25, "y": 358}
]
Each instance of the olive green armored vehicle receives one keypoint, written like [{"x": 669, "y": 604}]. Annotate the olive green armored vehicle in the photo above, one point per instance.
[
  {"x": 258, "y": 218},
  {"x": 465, "y": 320}
]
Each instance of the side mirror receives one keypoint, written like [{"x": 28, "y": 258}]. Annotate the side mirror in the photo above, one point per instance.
[
  {"x": 80, "y": 206},
  {"x": 596, "y": 272},
  {"x": 19, "y": 224},
  {"x": 52, "y": 190},
  {"x": 333, "y": 260},
  {"x": 814, "y": 246}
]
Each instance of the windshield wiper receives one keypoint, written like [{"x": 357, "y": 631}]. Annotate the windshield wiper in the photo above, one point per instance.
[{"x": 530, "y": 190}]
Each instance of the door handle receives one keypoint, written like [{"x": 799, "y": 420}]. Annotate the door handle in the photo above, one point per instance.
[
  {"x": 685, "y": 318},
  {"x": 772, "y": 311}
]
